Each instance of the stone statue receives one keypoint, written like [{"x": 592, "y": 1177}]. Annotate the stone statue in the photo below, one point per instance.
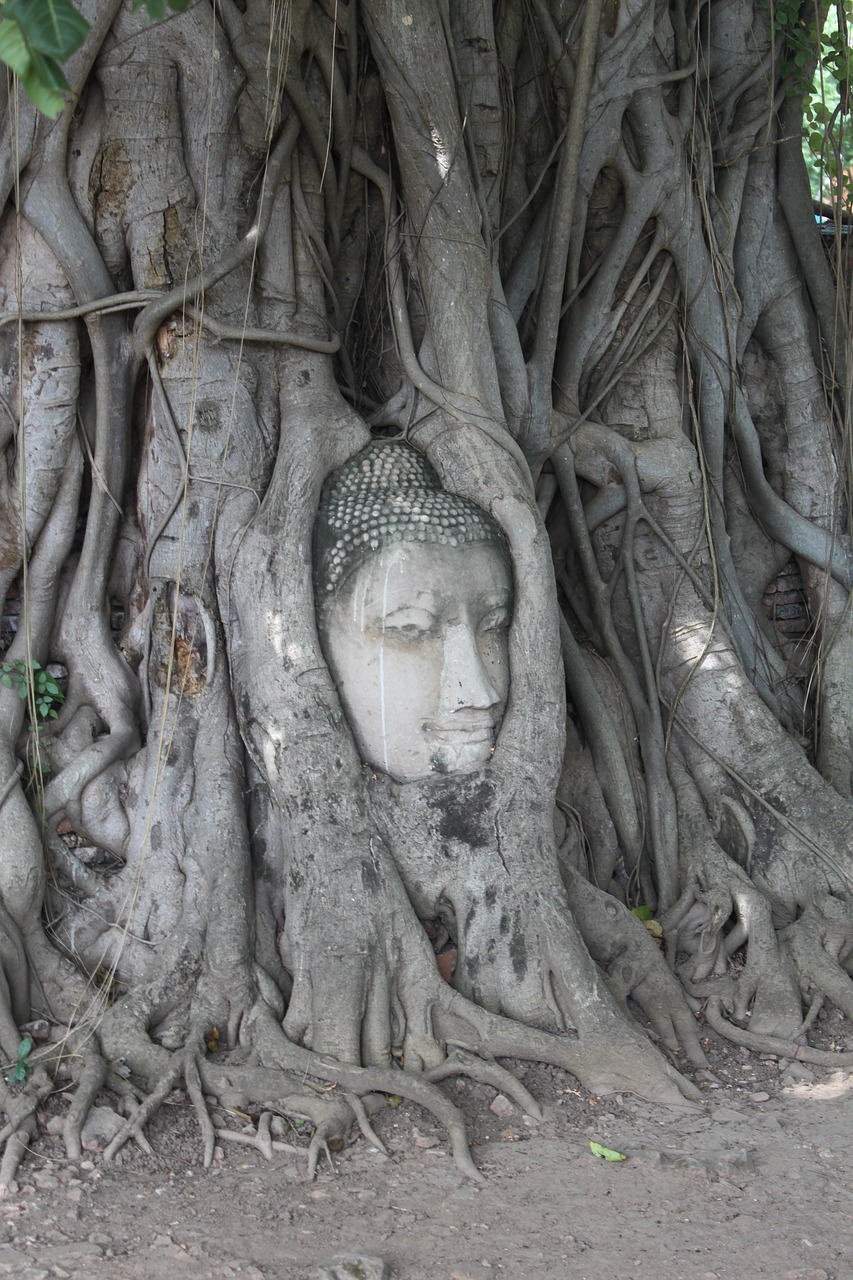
[{"x": 414, "y": 600}]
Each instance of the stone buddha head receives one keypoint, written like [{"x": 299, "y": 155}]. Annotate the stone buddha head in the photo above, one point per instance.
[{"x": 413, "y": 588}]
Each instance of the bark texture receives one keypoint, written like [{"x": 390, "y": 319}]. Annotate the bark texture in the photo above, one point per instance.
[{"x": 555, "y": 247}]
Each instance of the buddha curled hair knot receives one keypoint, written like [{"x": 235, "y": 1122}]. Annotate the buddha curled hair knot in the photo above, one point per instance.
[{"x": 384, "y": 495}]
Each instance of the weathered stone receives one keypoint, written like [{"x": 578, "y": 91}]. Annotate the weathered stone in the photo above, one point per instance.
[
  {"x": 12, "y": 1260},
  {"x": 502, "y": 1106},
  {"x": 101, "y": 1126},
  {"x": 354, "y": 1266}
]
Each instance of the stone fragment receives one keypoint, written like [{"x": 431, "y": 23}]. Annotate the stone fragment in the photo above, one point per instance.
[
  {"x": 723, "y": 1114},
  {"x": 45, "y": 1181},
  {"x": 12, "y": 1260},
  {"x": 759, "y": 1097},
  {"x": 735, "y": 1162},
  {"x": 502, "y": 1106},
  {"x": 64, "y": 1255},
  {"x": 796, "y": 1073},
  {"x": 477, "y": 1271},
  {"x": 353, "y": 1266},
  {"x": 101, "y": 1126}
]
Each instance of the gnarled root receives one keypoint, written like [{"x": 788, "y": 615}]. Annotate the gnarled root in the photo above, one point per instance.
[
  {"x": 18, "y": 1132},
  {"x": 633, "y": 965}
]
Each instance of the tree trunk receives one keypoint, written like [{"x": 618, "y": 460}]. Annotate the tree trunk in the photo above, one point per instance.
[{"x": 548, "y": 246}]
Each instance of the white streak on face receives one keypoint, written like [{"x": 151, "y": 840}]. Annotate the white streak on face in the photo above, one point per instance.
[{"x": 395, "y": 558}]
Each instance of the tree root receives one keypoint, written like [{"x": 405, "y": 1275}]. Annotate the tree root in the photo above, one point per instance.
[
  {"x": 21, "y": 1109},
  {"x": 183, "y": 1065},
  {"x": 261, "y": 1140},
  {"x": 90, "y": 1079},
  {"x": 462, "y": 1063},
  {"x": 771, "y": 1044}
]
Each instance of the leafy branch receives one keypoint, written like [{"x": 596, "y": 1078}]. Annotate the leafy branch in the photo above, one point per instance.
[
  {"x": 32, "y": 679},
  {"x": 37, "y": 36}
]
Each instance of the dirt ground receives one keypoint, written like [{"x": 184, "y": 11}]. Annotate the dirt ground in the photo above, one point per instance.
[{"x": 757, "y": 1183}]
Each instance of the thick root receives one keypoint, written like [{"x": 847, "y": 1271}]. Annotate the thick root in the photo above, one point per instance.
[
  {"x": 633, "y": 965},
  {"x": 771, "y": 1044}
]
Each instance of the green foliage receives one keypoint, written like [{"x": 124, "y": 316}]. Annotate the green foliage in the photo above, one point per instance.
[
  {"x": 156, "y": 9},
  {"x": 822, "y": 73},
  {"x": 22, "y": 1068},
  {"x": 36, "y": 37},
  {"x": 32, "y": 679}
]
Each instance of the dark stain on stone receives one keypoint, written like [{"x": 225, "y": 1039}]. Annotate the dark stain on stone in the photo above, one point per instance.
[
  {"x": 518, "y": 952},
  {"x": 369, "y": 876},
  {"x": 491, "y": 896},
  {"x": 464, "y": 812}
]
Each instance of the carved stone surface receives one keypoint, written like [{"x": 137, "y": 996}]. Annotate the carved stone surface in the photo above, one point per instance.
[{"x": 414, "y": 592}]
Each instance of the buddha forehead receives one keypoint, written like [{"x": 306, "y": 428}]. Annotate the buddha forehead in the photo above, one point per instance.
[
  {"x": 389, "y": 495},
  {"x": 445, "y": 581}
]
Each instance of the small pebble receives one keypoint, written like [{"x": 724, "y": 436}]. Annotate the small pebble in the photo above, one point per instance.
[
  {"x": 759, "y": 1097},
  {"x": 502, "y": 1106}
]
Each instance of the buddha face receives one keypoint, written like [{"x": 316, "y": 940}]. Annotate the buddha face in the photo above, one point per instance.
[{"x": 416, "y": 640}]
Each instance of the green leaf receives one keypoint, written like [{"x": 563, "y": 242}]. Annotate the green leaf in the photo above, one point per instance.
[
  {"x": 644, "y": 912},
  {"x": 51, "y": 27},
  {"x": 605, "y": 1153},
  {"x": 44, "y": 84},
  {"x": 13, "y": 47},
  {"x": 24, "y": 1047},
  {"x": 156, "y": 9},
  {"x": 6, "y": 678},
  {"x": 18, "y": 1076}
]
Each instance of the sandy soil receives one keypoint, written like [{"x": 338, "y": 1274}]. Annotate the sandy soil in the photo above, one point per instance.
[{"x": 757, "y": 1183}]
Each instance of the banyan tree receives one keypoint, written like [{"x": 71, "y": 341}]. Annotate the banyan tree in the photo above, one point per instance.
[{"x": 528, "y": 300}]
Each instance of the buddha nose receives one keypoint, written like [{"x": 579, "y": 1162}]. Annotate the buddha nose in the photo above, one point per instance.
[{"x": 464, "y": 679}]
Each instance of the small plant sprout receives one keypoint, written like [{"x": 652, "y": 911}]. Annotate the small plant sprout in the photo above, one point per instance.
[
  {"x": 32, "y": 677},
  {"x": 22, "y": 1067}
]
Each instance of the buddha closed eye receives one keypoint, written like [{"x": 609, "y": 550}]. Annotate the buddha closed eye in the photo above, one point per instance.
[{"x": 415, "y": 629}]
